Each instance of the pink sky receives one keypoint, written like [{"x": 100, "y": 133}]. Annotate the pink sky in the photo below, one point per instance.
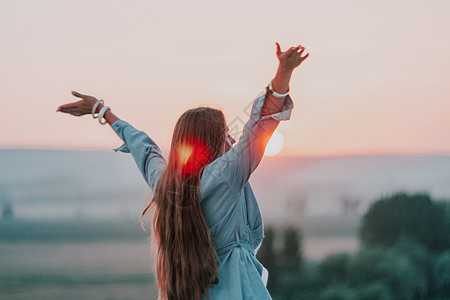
[{"x": 376, "y": 82}]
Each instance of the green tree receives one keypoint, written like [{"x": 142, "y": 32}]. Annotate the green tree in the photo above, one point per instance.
[
  {"x": 290, "y": 258},
  {"x": 442, "y": 275},
  {"x": 441, "y": 242},
  {"x": 415, "y": 217}
]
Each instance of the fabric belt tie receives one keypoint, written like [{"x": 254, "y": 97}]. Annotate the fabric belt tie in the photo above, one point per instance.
[{"x": 238, "y": 243}]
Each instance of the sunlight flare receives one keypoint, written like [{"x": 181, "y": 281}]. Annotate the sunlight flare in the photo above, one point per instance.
[
  {"x": 184, "y": 152},
  {"x": 275, "y": 144}
]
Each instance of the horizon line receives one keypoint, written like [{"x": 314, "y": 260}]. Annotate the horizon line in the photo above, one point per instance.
[{"x": 341, "y": 155}]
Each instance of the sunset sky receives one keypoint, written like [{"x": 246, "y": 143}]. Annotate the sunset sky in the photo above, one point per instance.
[{"x": 377, "y": 80}]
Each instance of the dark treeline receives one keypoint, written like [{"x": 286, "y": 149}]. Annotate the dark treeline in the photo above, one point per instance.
[{"x": 404, "y": 254}]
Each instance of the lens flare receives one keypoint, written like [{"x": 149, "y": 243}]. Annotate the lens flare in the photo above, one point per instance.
[
  {"x": 192, "y": 155},
  {"x": 184, "y": 152}
]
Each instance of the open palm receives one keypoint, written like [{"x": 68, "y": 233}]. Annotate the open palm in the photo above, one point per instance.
[{"x": 79, "y": 108}]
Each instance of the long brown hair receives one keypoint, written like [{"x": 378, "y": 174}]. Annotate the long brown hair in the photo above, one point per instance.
[{"x": 185, "y": 256}]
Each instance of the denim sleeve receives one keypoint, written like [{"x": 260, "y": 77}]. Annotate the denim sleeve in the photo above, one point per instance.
[
  {"x": 144, "y": 150},
  {"x": 242, "y": 159}
]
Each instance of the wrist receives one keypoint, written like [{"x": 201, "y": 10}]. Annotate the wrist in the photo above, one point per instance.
[
  {"x": 101, "y": 115},
  {"x": 285, "y": 71},
  {"x": 271, "y": 90},
  {"x": 99, "y": 107},
  {"x": 280, "y": 82},
  {"x": 96, "y": 108}
]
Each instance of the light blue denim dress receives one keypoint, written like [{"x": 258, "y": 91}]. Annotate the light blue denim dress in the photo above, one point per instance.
[{"x": 229, "y": 206}]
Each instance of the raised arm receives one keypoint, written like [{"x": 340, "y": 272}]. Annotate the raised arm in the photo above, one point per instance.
[
  {"x": 267, "y": 112},
  {"x": 144, "y": 150},
  {"x": 288, "y": 61}
]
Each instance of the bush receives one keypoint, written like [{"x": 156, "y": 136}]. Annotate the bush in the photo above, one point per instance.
[
  {"x": 376, "y": 290},
  {"x": 337, "y": 292},
  {"x": 334, "y": 268},
  {"x": 391, "y": 265}
]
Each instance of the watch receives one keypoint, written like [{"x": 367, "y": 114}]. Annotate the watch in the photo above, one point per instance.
[{"x": 275, "y": 94}]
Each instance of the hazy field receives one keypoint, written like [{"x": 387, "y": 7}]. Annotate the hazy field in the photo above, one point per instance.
[{"x": 87, "y": 260}]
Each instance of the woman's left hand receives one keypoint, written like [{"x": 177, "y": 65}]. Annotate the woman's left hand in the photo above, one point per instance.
[{"x": 79, "y": 108}]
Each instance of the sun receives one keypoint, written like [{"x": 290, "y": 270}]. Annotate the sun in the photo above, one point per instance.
[{"x": 275, "y": 144}]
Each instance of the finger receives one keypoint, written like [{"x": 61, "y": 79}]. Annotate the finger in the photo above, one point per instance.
[
  {"x": 66, "y": 111},
  {"x": 70, "y": 109},
  {"x": 76, "y": 94},
  {"x": 278, "y": 48},
  {"x": 73, "y": 112},
  {"x": 61, "y": 108},
  {"x": 305, "y": 57},
  {"x": 76, "y": 108},
  {"x": 301, "y": 51},
  {"x": 292, "y": 51},
  {"x": 70, "y": 105}
]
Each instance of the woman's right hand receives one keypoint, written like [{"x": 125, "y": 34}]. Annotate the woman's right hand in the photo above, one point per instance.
[
  {"x": 291, "y": 58},
  {"x": 79, "y": 108}
]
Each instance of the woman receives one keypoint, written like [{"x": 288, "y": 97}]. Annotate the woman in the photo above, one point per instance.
[{"x": 207, "y": 225}]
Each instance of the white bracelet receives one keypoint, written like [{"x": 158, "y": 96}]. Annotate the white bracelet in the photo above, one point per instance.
[
  {"x": 101, "y": 114},
  {"x": 275, "y": 94},
  {"x": 95, "y": 108}
]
